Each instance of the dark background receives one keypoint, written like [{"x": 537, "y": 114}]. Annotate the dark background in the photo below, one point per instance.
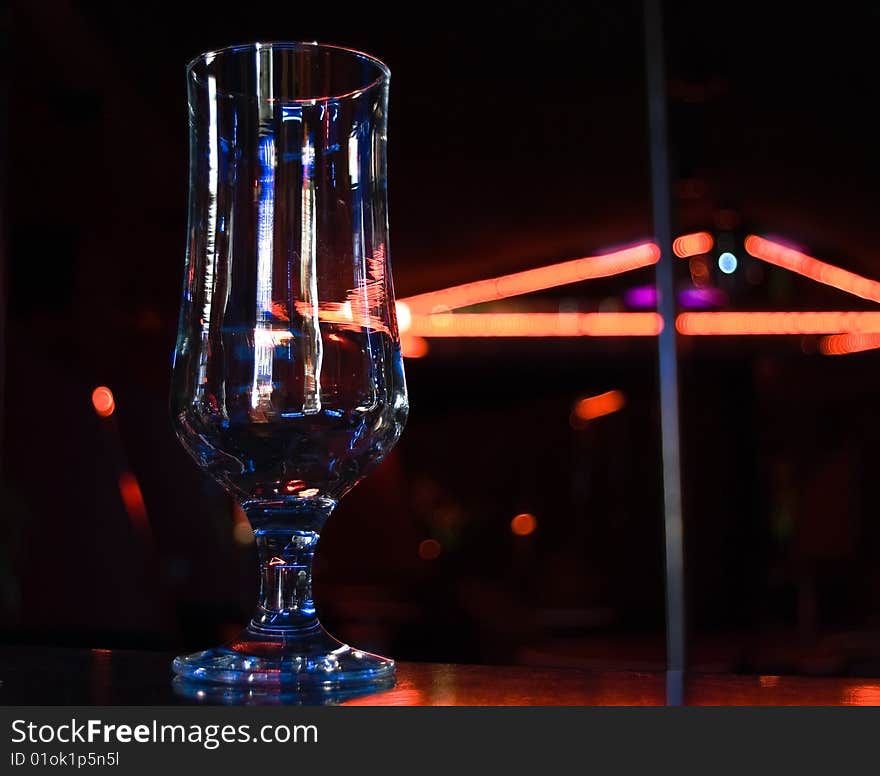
[{"x": 518, "y": 138}]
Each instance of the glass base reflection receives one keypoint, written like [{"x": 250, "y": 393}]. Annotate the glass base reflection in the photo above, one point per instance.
[
  {"x": 243, "y": 695},
  {"x": 311, "y": 661}
]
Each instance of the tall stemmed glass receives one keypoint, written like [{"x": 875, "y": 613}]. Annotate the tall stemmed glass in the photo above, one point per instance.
[{"x": 288, "y": 382}]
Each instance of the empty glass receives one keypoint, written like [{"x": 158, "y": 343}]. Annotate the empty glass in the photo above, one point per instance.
[{"x": 288, "y": 383}]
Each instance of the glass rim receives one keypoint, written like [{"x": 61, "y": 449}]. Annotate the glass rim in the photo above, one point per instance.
[{"x": 384, "y": 75}]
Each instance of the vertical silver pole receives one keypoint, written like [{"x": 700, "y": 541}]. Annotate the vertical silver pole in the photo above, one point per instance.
[
  {"x": 660, "y": 195},
  {"x": 5, "y": 35}
]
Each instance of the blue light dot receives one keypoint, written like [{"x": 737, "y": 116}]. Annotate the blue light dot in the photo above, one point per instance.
[{"x": 727, "y": 263}]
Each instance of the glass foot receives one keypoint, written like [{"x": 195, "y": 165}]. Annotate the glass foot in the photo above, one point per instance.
[
  {"x": 277, "y": 695},
  {"x": 315, "y": 661}
]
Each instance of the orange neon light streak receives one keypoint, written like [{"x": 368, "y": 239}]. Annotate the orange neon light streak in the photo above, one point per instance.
[
  {"x": 536, "y": 325},
  {"x": 795, "y": 261},
  {"x": 640, "y": 324},
  {"x": 493, "y": 289},
  {"x": 720, "y": 323},
  {"x": 692, "y": 244},
  {"x": 596, "y": 406},
  {"x": 842, "y": 344}
]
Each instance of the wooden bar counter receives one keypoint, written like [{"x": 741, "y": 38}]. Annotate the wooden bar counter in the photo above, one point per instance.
[{"x": 52, "y": 676}]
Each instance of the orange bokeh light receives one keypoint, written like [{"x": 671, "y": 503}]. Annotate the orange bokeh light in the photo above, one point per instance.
[
  {"x": 759, "y": 323},
  {"x": 537, "y": 325},
  {"x": 841, "y": 344},
  {"x": 413, "y": 347},
  {"x": 692, "y": 244},
  {"x": 430, "y": 549},
  {"x": 573, "y": 271},
  {"x": 596, "y": 406},
  {"x": 523, "y": 524},
  {"x": 103, "y": 401},
  {"x": 802, "y": 264},
  {"x": 133, "y": 499}
]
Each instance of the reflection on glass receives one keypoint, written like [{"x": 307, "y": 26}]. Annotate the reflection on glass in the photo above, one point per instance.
[{"x": 288, "y": 383}]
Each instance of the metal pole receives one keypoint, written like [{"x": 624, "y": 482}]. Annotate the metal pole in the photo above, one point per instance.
[
  {"x": 660, "y": 195},
  {"x": 5, "y": 58}
]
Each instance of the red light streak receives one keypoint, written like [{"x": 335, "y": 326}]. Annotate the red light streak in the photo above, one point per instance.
[
  {"x": 103, "y": 401},
  {"x": 863, "y": 695},
  {"x": 537, "y": 325},
  {"x": 631, "y": 324},
  {"x": 431, "y": 316},
  {"x": 596, "y": 406},
  {"x": 493, "y": 289},
  {"x": 802, "y": 264},
  {"x": 692, "y": 244},
  {"x": 842, "y": 344},
  {"x": 759, "y": 323},
  {"x": 133, "y": 500}
]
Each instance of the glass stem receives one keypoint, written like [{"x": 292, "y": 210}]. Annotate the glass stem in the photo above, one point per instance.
[{"x": 286, "y": 547}]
